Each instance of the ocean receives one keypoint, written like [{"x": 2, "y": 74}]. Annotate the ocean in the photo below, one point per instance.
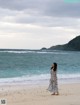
[{"x": 33, "y": 66}]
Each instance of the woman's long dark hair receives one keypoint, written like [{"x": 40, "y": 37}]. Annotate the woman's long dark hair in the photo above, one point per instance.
[{"x": 55, "y": 67}]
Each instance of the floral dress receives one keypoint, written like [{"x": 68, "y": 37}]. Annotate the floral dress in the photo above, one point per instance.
[{"x": 53, "y": 86}]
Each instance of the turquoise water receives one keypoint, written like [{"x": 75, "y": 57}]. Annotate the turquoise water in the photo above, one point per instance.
[{"x": 33, "y": 66}]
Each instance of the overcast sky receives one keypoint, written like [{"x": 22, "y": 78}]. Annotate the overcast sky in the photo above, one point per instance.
[{"x": 33, "y": 24}]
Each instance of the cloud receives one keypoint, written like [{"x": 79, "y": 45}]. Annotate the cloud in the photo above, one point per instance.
[
  {"x": 22, "y": 4},
  {"x": 49, "y": 13},
  {"x": 37, "y": 23},
  {"x": 59, "y": 8}
]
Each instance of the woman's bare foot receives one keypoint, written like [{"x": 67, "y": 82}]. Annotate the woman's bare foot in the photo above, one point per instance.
[{"x": 57, "y": 93}]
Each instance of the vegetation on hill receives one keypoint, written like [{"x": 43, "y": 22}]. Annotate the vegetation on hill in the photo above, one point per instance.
[{"x": 72, "y": 45}]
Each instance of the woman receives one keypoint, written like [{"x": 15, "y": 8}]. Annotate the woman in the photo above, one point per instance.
[{"x": 53, "y": 86}]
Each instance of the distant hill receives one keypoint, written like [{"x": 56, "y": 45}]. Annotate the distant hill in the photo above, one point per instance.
[{"x": 73, "y": 45}]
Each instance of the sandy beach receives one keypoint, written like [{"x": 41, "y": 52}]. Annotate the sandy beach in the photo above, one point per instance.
[{"x": 38, "y": 95}]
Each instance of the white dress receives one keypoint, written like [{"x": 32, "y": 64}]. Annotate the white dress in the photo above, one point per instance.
[{"x": 53, "y": 86}]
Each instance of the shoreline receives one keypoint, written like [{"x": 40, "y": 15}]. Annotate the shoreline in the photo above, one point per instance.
[
  {"x": 38, "y": 95},
  {"x": 34, "y": 83},
  {"x": 42, "y": 79}
]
